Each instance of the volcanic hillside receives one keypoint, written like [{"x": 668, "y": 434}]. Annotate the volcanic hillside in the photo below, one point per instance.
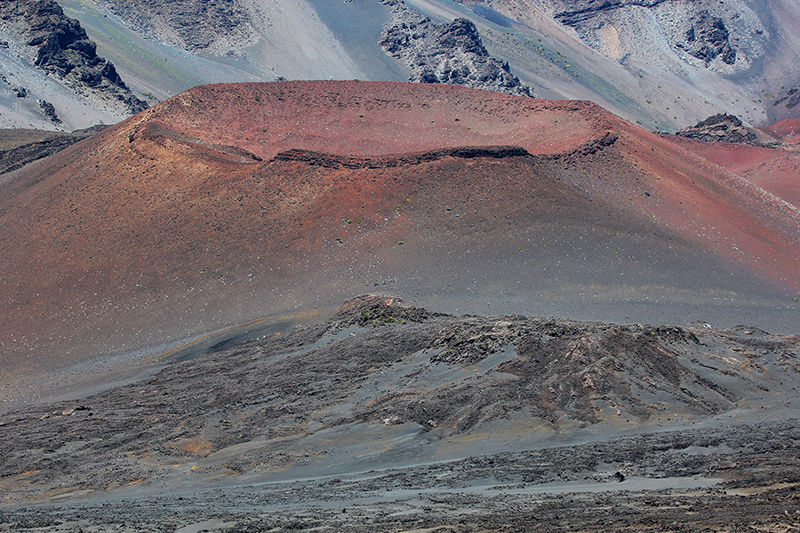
[
  {"x": 438, "y": 399},
  {"x": 231, "y": 202}
]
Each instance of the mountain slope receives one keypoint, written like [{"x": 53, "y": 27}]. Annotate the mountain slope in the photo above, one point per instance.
[
  {"x": 382, "y": 386},
  {"x": 41, "y": 43},
  {"x": 19, "y": 147},
  {"x": 228, "y": 203},
  {"x": 664, "y": 64},
  {"x": 677, "y": 62}
]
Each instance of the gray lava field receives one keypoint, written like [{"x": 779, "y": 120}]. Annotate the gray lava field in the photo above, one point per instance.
[{"x": 393, "y": 418}]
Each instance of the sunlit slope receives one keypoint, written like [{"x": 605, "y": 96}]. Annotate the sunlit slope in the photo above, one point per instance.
[{"x": 232, "y": 202}]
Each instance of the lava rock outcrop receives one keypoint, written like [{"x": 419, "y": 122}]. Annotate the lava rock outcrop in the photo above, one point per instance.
[
  {"x": 63, "y": 48},
  {"x": 193, "y": 25},
  {"x": 708, "y": 38},
  {"x": 721, "y": 127},
  {"x": 447, "y": 53},
  {"x": 257, "y": 408}
]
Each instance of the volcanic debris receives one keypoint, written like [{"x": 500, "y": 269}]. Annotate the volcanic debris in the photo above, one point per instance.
[
  {"x": 49, "y": 111},
  {"x": 446, "y": 53},
  {"x": 380, "y": 363},
  {"x": 193, "y": 25},
  {"x": 722, "y": 127},
  {"x": 708, "y": 38},
  {"x": 63, "y": 48},
  {"x": 19, "y": 149},
  {"x": 790, "y": 99}
]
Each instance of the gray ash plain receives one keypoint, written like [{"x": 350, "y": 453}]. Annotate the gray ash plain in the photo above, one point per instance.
[{"x": 394, "y": 418}]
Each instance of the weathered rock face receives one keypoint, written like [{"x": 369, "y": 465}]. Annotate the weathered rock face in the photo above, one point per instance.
[
  {"x": 335, "y": 161},
  {"x": 721, "y": 128},
  {"x": 710, "y": 32},
  {"x": 193, "y": 25},
  {"x": 447, "y": 53},
  {"x": 708, "y": 38},
  {"x": 257, "y": 408},
  {"x": 63, "y": 48},
  {"x": 576, "y": 13}
]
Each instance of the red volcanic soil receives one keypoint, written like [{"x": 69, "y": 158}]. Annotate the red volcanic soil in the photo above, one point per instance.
[
  {"x": 232, "y": 202},
  {"x": 364, "y": 119},
  {"x": 787, "y": 131},
  {"x": 774, "y": 170}
]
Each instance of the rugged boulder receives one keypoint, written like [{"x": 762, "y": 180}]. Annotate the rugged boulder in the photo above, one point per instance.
[{"x": 447, "y": 53}]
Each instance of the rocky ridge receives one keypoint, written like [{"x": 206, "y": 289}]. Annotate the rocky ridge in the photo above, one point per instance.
[
  {"x": 701, "y": 34},
  {"x": 708, "y": 38},
  {"x": 60, "y": 46},
  {"x": 336, "y": 161},
  {"x": 219, "y": 26},
  {"x": 259, "y": 407},
  {"x": 723, "y": 127},
  {"x": 446, "y": 53}
]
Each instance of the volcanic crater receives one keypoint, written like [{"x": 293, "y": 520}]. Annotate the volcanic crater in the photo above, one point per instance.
[{"x": 230, "y": 203}]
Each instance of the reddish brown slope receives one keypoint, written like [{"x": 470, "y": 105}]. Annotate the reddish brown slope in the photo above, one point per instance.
[
  {"x": 776, "y": 170},
  {"x": 193, "y": 215},
  {"x": 368, "y": 119},
  {"x": 787, "y": 131}
]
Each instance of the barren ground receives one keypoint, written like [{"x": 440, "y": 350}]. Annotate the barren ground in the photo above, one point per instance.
[{"x": 398, "y": 419}]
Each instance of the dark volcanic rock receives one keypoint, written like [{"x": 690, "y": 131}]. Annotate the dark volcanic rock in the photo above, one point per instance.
[
  {"x": 336, "y": 161},
  {"x": 376, "y": 310},
  {"x": 49, "y": 111},
  {"x": 708, "y": 38},
  {"x": 592, "y": 8},
  {"x": 64, "y": 49},
  {"x": 16, "y": 154},
  {"x": 790, "y": 99},
  {"x": 195, "y": 24},
  {"x": 446, "y": 53},
  {"x": 721, "y": 128},
  {"x": 378, "y": 364}
]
